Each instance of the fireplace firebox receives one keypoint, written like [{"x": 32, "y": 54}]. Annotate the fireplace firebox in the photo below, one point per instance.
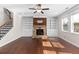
[{"x": 39, "y": 32}]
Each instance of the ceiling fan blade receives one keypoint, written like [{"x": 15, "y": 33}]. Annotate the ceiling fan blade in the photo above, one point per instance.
[
  {"x": 42, "y": 12},
  {"x": 45, "y": 9},
  {"x": 35, "y": 11},
  {"x": 32, "y": 8}
]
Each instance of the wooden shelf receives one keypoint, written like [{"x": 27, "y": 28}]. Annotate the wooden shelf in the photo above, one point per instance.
[{"x": 35, "y": 21}]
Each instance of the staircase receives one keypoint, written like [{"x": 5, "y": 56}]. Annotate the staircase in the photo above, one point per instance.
[{"x": 5, "y": 28}]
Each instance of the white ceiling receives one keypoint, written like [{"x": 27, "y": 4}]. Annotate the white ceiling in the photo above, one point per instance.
[{"x": 22, "y": 9}]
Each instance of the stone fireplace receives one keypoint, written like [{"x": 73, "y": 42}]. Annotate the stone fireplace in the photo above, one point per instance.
[{"x": 39, "y": 28}]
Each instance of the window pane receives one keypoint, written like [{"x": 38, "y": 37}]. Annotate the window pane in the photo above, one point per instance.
[
  {"x": 75, "y": 23},
  {"x": 65, "y": 24}
]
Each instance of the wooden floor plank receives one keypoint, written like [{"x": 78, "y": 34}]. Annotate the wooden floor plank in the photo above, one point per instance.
[{"x": 27, "y": 45}]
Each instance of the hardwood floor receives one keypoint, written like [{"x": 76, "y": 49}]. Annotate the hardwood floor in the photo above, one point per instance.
[{"x": 27, "y": 45}]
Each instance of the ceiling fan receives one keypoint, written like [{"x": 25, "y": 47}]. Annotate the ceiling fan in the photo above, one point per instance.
[{"x": 38, "y": 8}]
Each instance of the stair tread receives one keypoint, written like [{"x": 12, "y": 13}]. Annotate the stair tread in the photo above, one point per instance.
[
  {"x": 3, "y": 33},
  {"x": 4, "y": 29}
]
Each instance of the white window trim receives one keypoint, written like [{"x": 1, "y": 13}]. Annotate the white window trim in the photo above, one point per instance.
[
  {"x": 62, "y": 25},
  {"x": 72, "y": 26}
]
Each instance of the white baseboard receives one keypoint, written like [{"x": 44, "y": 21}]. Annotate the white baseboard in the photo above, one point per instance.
[{"x": 70, "y": 42}]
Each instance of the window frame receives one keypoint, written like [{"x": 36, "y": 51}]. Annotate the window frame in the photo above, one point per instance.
[
  {"x": 72, "y": 25},
  {"x": 63, "y": 24}
]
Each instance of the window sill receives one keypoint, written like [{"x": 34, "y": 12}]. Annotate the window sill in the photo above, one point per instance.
[
  {"x": 65, "y": 31},
  {"x": 75, "y": 32},
  {"x": 71, "y": 32}
]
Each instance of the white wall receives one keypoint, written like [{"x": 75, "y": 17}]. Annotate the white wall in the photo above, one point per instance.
[
  {"x": 2, "y": 20},
  {"x": 52, "y": 30},
  {"x": 27, "y": 26},
  {"x": 73, "y": 38},
  {"x": 3, "y": 17}
]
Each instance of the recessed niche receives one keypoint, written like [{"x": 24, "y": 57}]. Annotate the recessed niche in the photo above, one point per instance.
[{"x": 39, "y": 21}]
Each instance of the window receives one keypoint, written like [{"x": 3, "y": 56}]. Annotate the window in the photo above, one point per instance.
[
  {"x": 75, "y": 23},
  {"x": 65, "y": 23}
]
